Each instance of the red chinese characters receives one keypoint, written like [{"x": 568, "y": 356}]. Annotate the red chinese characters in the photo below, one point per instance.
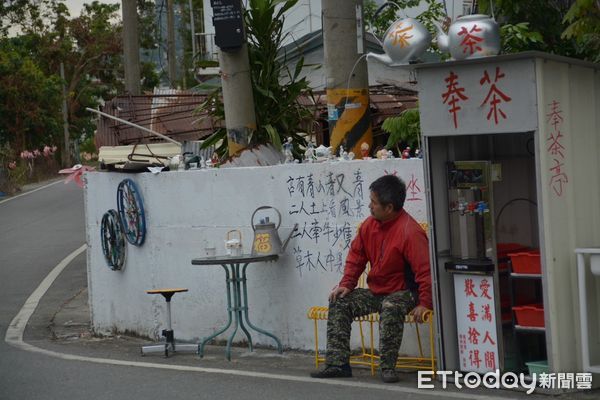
[
  {"x": 495, "y": 97},
  {"x": 453, "y": 96},
  {"x": 470, "y": 41},
  {"x": 556, "y": 149},
  {"x": 413, "y": 189},
  {"x": 477, "y": 323},
  {"x": 469, "y": 288}
]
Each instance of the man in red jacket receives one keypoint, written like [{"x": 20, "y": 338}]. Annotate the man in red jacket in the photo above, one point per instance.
[{"x": 396, "y": 246}]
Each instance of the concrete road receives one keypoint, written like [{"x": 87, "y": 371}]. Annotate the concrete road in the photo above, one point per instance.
[{"x": 41, "y": 234}]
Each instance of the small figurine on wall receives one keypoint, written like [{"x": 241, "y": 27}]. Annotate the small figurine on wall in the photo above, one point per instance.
[
  {"x": 342, "y": 154},
  {"x": 364, "y": 151},
  {"x": 287, "y": 150},
  {"x": 418, "y": 153},
  {"x": 310, "y": 155},
  {"x": 406, "y": 153},
  {"x": 214, "y": 159}
]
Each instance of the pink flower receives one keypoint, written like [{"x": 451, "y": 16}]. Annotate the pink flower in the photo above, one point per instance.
[
  {"x": 26, "y": 155},
  {"x": 47, "y": 151},
  {"x": 12, "y": 165},
  {"x": 36, "y": 153},
  {"x": 54, "y": 148}
]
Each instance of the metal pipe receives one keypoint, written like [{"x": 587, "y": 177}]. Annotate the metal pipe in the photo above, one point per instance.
[{"x": 160, "y": 135}]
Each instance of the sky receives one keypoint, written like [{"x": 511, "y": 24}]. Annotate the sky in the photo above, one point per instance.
[{"x": 75, "y": 6}]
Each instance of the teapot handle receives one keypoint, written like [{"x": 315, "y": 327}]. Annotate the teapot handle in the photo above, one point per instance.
[
  {"x": 228, "y": 237},
  {"x": 265, "y": 208}
]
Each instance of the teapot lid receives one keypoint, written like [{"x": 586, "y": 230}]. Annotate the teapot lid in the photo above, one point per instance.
[{"x": 473, "y": 17}]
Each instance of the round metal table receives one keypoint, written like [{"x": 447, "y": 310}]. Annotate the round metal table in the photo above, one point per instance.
[{"x": 235, "y": 276}]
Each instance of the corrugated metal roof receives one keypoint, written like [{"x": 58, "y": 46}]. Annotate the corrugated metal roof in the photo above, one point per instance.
[
  {"x": 169, "y": 112},
  {"x": 172, "y": 113}
]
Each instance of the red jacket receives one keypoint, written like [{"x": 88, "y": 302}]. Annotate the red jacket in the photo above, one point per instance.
[{"x": 389, "y": 246}]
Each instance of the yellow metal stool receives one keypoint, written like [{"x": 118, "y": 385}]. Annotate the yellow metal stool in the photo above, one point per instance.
[
  {"x": 169, "y": 344},
  {"x": 368, "y": 356}
]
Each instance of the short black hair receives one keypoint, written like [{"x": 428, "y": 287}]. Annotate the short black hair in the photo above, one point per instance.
[{"x": 390, "y": 190}]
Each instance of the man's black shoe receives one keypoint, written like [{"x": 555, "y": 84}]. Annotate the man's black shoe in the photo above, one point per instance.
[
  {"x": 389, "y": 376},
  {"x": 333, "y": 371}
]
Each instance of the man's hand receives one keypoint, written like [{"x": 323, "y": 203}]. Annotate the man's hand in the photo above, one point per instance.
[
  {"x": 418, "y": 313},
  {"x": 338, "y": 292}
]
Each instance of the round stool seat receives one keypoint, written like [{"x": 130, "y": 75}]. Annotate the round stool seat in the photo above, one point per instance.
[{"x": 166, "y": 292}]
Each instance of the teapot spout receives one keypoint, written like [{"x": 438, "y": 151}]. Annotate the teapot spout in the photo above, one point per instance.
[
  {"x": 289, "y": 237},
  {"x": 442, "y": 39},
  {"x": 384, "y": 58}
]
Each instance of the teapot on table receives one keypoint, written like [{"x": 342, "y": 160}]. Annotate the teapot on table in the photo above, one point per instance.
[{"x": 266, "y": 238}]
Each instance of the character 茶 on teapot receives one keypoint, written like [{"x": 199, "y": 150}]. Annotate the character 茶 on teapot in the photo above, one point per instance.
[
  {"x": 470, "y": 36},
  {"x": 403, "y": 42}
]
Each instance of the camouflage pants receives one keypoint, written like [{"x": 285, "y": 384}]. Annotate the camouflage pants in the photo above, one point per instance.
[{"x": 392, "y": 310}]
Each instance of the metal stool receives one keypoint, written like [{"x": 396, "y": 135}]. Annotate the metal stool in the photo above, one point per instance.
[{"x": 168, "y": 333}]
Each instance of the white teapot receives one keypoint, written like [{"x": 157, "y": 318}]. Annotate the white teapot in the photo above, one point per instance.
[
  {"x": 470, "y": 36},
  {"x": 404, "y": 41}
]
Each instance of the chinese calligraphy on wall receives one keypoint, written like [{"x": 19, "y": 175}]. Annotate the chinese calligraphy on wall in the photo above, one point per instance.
[
  {"x": 493, "y": 100},
  {"x": 476, "y": 323},
  {"x": 556, "y": 148},
  {"x": 329, "y": 206},
  {"x": 478, "y": 97}
]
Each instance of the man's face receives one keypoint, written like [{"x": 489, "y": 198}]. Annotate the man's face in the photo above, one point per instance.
[{"x": 379, "y": 211}]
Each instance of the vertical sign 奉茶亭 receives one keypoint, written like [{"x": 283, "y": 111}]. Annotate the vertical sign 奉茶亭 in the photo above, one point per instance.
[
  {"x": 476, "y": 323},
  {"x": 229, "y": 24}
]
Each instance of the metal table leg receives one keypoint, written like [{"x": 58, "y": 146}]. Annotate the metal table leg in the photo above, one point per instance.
[
  {"x": 242, "y": 305},
  {"x": 229, "y": 312},
  {"x": 245, "y": 302}
]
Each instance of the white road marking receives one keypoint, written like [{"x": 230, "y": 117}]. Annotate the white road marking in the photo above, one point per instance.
[
  {"x": 31, "y": 191},
  {"x": 14, "y": 337}
]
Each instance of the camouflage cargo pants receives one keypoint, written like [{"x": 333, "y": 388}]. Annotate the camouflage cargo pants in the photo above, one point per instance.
[{"x": 392, "y": 310}]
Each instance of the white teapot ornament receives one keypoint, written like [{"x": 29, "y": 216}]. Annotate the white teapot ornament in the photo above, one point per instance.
[{"x": 470, "y": 36}]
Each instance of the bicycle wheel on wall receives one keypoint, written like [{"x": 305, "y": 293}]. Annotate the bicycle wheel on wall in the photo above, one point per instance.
[
  {"x": 131, "y": 212},
  {"x": 113, "y": 240}
]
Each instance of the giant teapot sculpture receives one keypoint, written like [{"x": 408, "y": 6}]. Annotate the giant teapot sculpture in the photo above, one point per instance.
[
  {"x": 470, "y": 36},
  {"x": 404, "y": 41}
]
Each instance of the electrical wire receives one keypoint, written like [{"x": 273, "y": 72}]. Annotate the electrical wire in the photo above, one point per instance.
[{"x": 510, "y": 202}]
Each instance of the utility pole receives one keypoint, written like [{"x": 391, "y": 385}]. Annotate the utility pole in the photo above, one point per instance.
[
  {"x": 171, "y": 59},
  {"x": 238, "y": 100},
  {"x": 347, "y": 77},
  {"x": 193, "y": 32},
  {"x": 66, "y": 158},
  {"x": 131, "y": 47}
]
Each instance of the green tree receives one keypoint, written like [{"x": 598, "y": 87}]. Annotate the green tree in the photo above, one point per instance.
[
  {"x": 378, "y": 24},
  {"x": 404, "y": 129},
  {"x": 539, "y": 25},
  {"x": 278, "y": 113},
  {"x": 29, "y": 100},
  {"x": 584, "y": 27}
]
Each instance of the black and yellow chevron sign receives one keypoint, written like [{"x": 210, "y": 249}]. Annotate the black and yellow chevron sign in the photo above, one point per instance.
[{"x": 349, "y": 119}]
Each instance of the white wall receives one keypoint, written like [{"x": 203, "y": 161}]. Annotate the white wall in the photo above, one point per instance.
[{"x": 187, "y": 209}]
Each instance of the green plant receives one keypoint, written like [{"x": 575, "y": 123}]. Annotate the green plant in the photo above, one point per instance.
[
  {"x": 404, "y": 128},
  {"x": 584, "y": 27},
  {"x": 278, "y": 113},
  {"x": 378, "y": 24},
  {"x": 519, "y": 37}
]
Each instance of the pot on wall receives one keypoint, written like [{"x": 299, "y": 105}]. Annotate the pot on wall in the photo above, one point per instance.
[
  {"x": 470, "y": 36},
  {"x": 403, "y": 42}
]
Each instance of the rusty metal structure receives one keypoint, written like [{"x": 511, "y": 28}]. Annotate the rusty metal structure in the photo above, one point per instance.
[{"x": 174, "y": 114}]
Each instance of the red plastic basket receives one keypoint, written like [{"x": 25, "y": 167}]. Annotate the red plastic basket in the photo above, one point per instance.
[
  {"x": 526, "y": 262},
  {"x": 504, "y": 249},
  {"x": 531, "y": 315}
]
